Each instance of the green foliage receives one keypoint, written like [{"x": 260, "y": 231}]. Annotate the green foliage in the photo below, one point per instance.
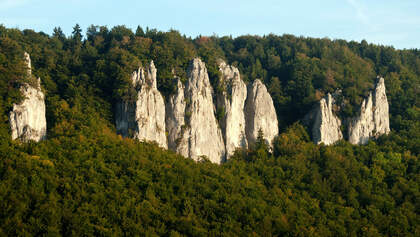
[
  {"x": 220, "y": 113},
  {"x": 12, "y": 72},
  {"x": 101, "y": 184},
  {"x": 85, "y": 180}
]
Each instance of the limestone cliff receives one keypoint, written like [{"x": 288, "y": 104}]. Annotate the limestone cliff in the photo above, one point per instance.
[
  {"x": 231, "y": 102},
  {"x": 260, "y": 113},
  {"x": 189, "y": 114},
  {"x": 373, "y": 120},
  {"x": 143, "y": 119},
  {"x": 27, "y": 119},
  {"x": 175, "y": 120},
  {"x": 194, "y": 132},
  {"x": 326, "y": 125}
]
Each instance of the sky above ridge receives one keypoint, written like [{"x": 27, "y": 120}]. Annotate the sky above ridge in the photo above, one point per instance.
[{"x": 386, "y": 22}]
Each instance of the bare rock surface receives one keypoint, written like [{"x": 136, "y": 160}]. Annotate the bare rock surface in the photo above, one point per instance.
[
  {"x": 27, "y": 119},
  {"x": 143, "y": 119},
  {"x": 326, "y": 125},
  {"x": 175, "y": 120},
  {"x": 195, "y": 131},
  {"x": 373, "y": 120},
  {"x": 231, "y": 102},
  {"x": 260, "y": 114}
]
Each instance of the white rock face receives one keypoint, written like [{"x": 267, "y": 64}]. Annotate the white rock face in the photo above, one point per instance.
[
  {"x": 175, "y": 120},
  {"x": 374, "y": 116},
  {"x": 195, "y": 132},
  {"x": 27, "y": 119},
  {"x": 144, "y": 119},
  {"x": 381, "y": 111},
  {"x": 232, "y": 102},
  {"x": 260, "y": 114},
  {"x": 27, "y": 58},
  {"x": 326, "y": 126}
]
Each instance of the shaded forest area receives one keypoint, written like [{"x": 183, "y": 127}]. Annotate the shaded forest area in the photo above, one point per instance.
[{"x": 86, "y": 180}]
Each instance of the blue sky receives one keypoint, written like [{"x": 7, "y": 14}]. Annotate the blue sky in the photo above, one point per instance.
[{"x": 385, "y": 22}]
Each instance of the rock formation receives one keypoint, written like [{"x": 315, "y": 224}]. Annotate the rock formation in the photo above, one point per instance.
[
  {"x": 189, "y": 114},
  {"x": 326, "y": 126},
  {"x": 27, "y": 119},
  {"x": 231, "y": 102},
  {"x": 143, "y": 119},
  {"x": 373, "y": 120},
  {"x": 175, "y": 120},
  {"x": 260, "y": 113},
  {"x": 195, "y": 131}
]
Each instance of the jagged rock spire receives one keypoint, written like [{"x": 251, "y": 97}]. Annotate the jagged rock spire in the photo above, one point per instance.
[
  {"x": 191, "y": 125},
  {"x": 195, "y": 132},
  {"x": 27, "y": 119},
  {"x": 27, "y": 59},
  {"x": 143, "y": 119},
  {"x": 260, "y": 113},
  {"x": 326, "y": 125},
  {"x": 143, "y": 77},
  {"x": 231, "y": 102},
  {"x": 151, "y": 75},
  {"x": 175, "y": 119},
  {"x": 373, "y": 120}
]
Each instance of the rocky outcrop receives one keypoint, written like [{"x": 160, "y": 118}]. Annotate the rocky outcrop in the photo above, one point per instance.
[
  {"x": 260, "y": 114},
  {"x": 143, "y": 119},
  {"x": 190, "y": 121},
  {"x": 27, "y": 119},
  {"x": 28, "y": 63},
  {"x": 231, "y": 102},
  {"x": 373, "y": 120},
  {"x": 195, "y": 132},
  {"x": 175, "y": 120},
  {"x": 326, "y": 125}
]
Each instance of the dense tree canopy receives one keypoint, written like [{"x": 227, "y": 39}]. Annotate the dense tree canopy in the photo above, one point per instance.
[{"x": 86, "y": 180}]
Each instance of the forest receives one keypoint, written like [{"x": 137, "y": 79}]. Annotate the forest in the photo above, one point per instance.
[{"x": 85, "y": 180}]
